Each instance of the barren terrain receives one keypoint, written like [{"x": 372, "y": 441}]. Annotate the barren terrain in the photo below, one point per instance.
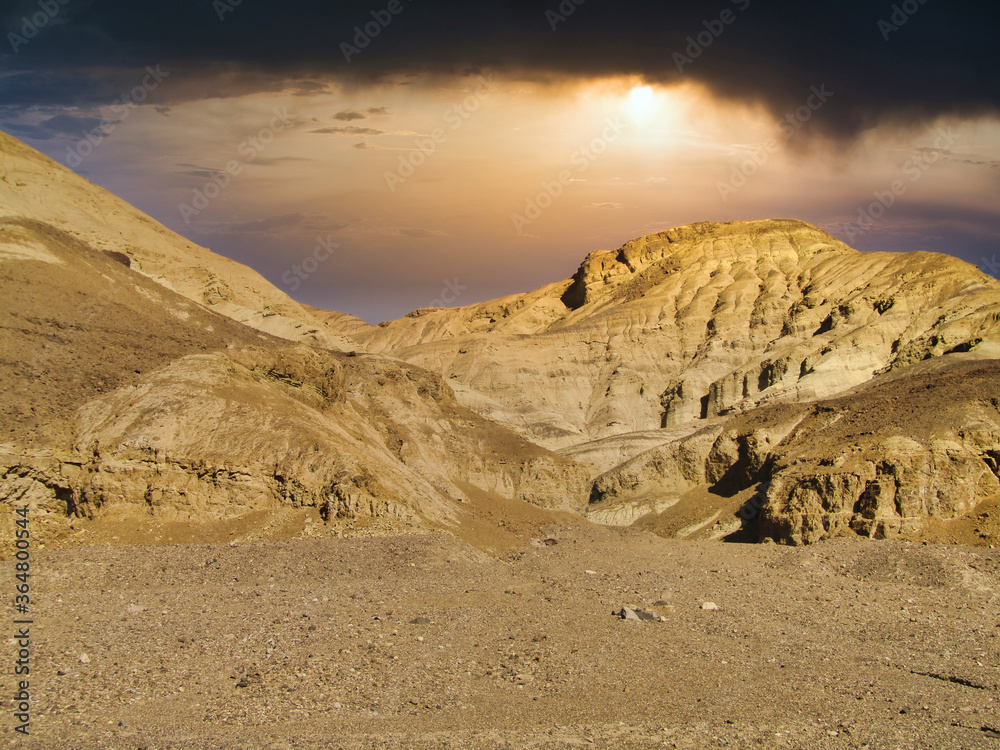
[{"x": 318, "y": 643}]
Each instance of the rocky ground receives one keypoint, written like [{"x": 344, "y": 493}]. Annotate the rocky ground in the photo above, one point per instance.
[{"x": 422, "y": 641}]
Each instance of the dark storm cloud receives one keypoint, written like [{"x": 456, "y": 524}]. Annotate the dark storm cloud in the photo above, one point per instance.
[
  {"x": 925, "y": 58},
  {"x": 56, "y": 126}
]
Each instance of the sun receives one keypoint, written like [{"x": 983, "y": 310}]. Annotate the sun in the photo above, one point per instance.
[{"x": 642, "y": 102}]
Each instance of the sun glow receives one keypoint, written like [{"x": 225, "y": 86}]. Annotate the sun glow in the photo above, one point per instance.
[{"x": 642, "y": 102}]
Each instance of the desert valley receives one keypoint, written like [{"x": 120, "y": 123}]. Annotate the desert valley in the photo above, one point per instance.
[{"x": 727, "y": 485}]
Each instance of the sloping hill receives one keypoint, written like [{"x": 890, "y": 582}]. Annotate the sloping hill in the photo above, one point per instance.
[
  {"x": 34, "y": 187},
  {"x": 642, "y": 364}
]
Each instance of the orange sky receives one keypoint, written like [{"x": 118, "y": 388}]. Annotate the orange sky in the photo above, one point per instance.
[{"x": 493, "y": 185}]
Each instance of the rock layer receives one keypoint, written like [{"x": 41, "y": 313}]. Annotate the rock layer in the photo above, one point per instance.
[{"x": 919, "y": 444}]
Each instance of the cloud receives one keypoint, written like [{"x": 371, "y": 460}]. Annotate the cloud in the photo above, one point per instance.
[
  {"x": 310, "y": 88},
  {"x": 201, "y": 172},
  {"x": 991, "y": 163},
  {"x": 57, "y": 126},
  {"x": 378, "y": 111},
  {"x": 348, "y": 115},
  {"x": 271, "y": 224},
  {"x": 349, "y": 130},
  {"x": 363, "y": 145},
  {"x": 274, "y": 161},
  {"x": 942, "y": 60},
  {"x": 417, "y": 233},
  {"x": 285, "y": 223}
]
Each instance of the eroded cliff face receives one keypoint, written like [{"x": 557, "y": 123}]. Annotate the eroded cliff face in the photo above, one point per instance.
[
  {"x": 918, "y": 444},
  {"x": 886, "y": 460}
]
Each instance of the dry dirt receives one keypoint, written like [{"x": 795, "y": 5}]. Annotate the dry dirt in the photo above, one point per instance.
[{"x": 311, "y": 643}]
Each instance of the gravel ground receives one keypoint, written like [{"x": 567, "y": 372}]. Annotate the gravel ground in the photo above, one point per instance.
[{"x": 426, "y": 642}]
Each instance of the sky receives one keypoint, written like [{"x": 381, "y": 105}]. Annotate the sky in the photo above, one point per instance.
[{"x": 379, "y": 157}]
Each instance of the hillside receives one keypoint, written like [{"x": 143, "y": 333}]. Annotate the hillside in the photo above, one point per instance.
[
  {"x": 36, "y": 188},
  {"x": 641, "y": 365},
  {"x": 130, "y": 405}
]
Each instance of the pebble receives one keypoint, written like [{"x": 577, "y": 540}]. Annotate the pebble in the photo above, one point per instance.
[{"x": 710, "y": 606}]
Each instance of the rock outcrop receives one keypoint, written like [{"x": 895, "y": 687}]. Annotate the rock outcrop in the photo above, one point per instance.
[
  {"x": 885, "y": 460},
  {"x": 917, "y": 444}
]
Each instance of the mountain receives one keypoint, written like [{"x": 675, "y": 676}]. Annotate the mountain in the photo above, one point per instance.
[
  {"x": 694, "y": 323},
  {"x": 747, "y": 380},
  {"x": 641, "y": 365}
]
